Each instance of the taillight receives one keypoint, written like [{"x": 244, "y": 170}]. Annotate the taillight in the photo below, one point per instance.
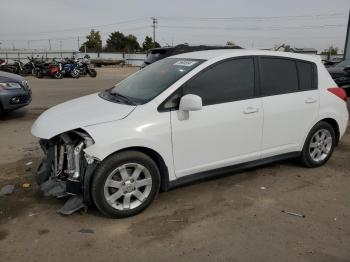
[{"x": 339, "y": 92}]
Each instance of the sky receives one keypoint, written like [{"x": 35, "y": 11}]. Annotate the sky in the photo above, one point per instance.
[{"x": 250, "y": 23}]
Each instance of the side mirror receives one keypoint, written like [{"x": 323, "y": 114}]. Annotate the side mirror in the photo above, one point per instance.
[{"x": 190, "y": 103}]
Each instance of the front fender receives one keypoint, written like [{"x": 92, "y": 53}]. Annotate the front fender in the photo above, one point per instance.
[{"x": 119, "y": 135}]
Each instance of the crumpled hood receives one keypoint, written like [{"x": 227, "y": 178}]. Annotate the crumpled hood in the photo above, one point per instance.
[{"x": 78, "y": 113}]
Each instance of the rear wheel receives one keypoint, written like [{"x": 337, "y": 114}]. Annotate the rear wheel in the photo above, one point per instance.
[
  {"x": 125, "y": 184},
  {"x": 75, "y": 73},
  {"x": 58, "y": 75},
  {"x": 319, "y": 145}
]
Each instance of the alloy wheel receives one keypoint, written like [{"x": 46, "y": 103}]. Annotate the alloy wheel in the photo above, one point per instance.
[
  {"x": 128, "y": 186},
  {"x": 320, "y": 145}
]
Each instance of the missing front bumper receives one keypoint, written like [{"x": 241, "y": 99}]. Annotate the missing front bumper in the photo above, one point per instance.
[{"x": 65, "y": 173}]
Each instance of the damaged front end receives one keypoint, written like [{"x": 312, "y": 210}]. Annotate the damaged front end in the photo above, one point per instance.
[{"x": 66, "y": 169}]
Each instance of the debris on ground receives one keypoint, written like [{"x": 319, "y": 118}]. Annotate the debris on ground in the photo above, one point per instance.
[
  {"x": 7, "y": 190},
  {"x": 29, "y": 163},
  {"x": 26, "y": 185},
  {"x": 262, "y": 188},
  {"x": 293, "y": 214},
  {"x": 175, "y": 220},
  {"x": 86, "y": 231}
]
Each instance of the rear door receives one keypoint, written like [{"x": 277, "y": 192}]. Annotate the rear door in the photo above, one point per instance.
[{"x": 290, "y": 100}]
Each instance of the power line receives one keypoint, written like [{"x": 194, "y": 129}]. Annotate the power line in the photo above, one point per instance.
[
  {"x": 66, "y": 37},
  {"x": 254, "y": 28},
  {"x": 79, "y": 28},
  {"x": 260, "y": 18}
]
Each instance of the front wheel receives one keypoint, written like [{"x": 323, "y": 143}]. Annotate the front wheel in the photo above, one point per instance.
[
  {"x": 125, "y": 184},
  {"x": 93, "y": 73},
  {"x": 39, "y": 74},
  {"x": 319, "y": 145}
]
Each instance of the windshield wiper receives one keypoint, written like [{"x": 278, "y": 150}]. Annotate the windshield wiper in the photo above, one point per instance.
[{"x": 124, "y": 98}]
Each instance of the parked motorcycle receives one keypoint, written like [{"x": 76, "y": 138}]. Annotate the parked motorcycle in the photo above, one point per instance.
[
  {"x": 53, "y": 70},
  {"x": 70, "y": 68},
  {"x": 10, "y": 68},
  {"x": 85, "y": 68}
]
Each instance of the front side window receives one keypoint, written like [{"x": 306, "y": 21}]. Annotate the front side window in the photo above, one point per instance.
[
  {"x": 278, "y": 76},
  {"x": 149, "y": 82},
  {"x": 224, "y": 82}
]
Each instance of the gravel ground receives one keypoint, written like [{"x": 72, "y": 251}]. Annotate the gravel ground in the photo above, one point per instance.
[{"x": 234, "y": 218}]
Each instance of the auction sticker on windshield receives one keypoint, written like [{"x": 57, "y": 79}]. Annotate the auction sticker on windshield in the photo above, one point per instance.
[{"x": 188, "y": 63}]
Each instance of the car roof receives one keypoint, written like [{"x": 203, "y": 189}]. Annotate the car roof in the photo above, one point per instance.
[{"x": 227, "y": 53}]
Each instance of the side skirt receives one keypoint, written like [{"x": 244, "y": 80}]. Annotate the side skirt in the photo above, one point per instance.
[{"x": 229, "y": 170}]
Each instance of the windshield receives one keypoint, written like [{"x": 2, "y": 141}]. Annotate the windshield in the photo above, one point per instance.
[
  {"x": 343, "y": 64},
  {"x": 149, "y": 82}
]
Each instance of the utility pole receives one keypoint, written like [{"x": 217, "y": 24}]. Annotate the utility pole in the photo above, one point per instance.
[
  {"x": 49, "y": 44},
  {"x": 28, "y": 44},
  {"x": 78, "y": 43},
  {"x": 347, "y": 41},
  {"x": 61, "y": 45},
  {"x": 154, "y": 24}
]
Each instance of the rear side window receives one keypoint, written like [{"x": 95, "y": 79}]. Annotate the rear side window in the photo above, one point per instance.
[
  {"x": 225, "y": 82},
  {"x": 278, "y": 76},
  {"x": 307, "y": 79}
]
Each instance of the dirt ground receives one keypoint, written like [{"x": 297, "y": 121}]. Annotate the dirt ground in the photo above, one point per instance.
[{"x": 233, "y": 218}]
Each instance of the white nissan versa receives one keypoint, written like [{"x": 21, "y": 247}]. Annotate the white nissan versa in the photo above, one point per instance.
[{"x": 184, "y": 118}]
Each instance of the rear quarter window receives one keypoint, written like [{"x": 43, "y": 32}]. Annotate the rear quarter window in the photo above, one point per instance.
[{"x": 307, "y": 73}]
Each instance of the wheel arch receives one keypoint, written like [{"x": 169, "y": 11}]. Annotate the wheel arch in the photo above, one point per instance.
[
  {"x": 335, "y": 126},
  {"x": 155, "y": 156},
  {"x": 328, "y": 119},
  {"x": 158, "y": 159}
]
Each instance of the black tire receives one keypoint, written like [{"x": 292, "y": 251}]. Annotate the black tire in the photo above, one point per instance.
[
  {"x": 34, "y": 71},
  {"x": 75, "y": 74},
  {"x": 105, "y": 169},
  {"x": 305, "y": 157},
  {"x": 58, "y": 75},
  {"x": 93, "y": 73},
  {"x": 39, "y": 74}
]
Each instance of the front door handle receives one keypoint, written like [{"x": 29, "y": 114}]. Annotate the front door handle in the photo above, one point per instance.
[
  {"x": 310, "y": 100},
  {"x": 251, "y": 110}
]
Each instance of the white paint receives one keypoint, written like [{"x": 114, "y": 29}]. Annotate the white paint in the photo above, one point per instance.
[{"x": 213, "y": 137}]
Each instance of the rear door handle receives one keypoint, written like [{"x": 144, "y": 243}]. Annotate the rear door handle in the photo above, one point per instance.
[
  {"x": 310, "y": 100},
  {"x": 251, "y": 110}
]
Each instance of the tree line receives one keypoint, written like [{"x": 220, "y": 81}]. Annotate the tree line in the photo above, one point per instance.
[{"x": 116, "y": 42}]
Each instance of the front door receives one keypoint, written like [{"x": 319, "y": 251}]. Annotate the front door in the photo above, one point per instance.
[{"x": 228, "y": 129}]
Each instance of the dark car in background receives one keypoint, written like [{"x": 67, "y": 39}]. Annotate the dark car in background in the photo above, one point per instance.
[
  {"x": 14, "y": 92},
  {"x": 156, "y": 54},
  {"x": 341, "y": 74}
]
